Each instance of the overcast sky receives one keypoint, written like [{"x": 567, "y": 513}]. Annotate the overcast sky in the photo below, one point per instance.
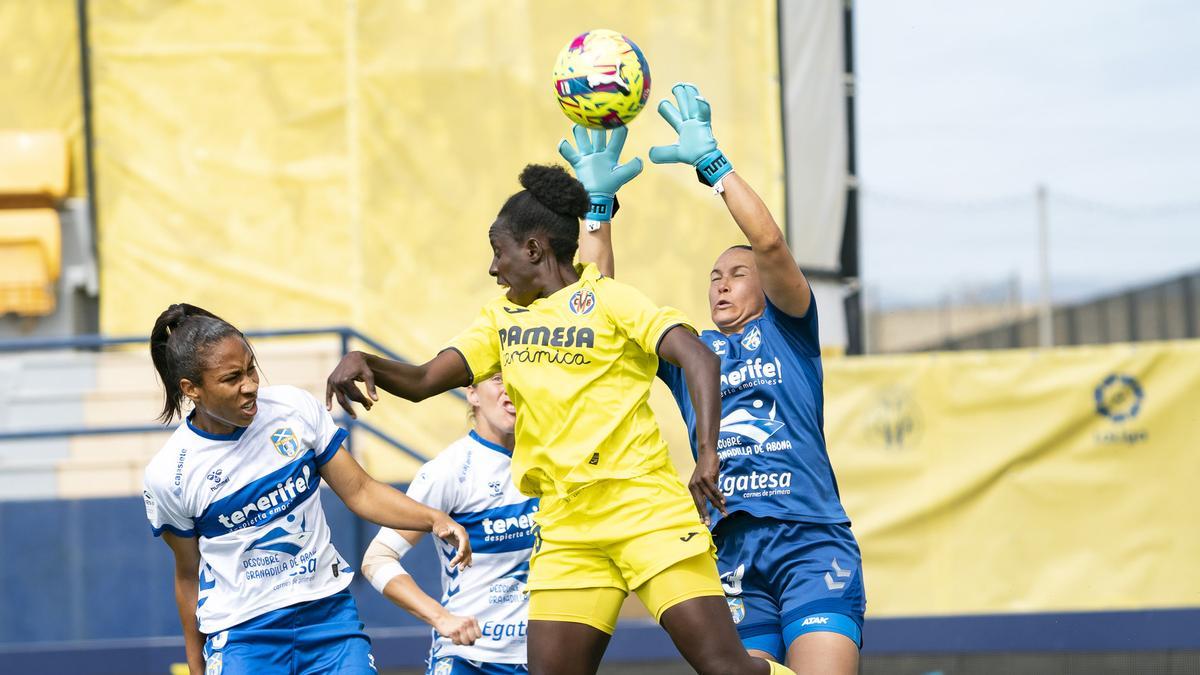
[{"x": 965, "y": 106}]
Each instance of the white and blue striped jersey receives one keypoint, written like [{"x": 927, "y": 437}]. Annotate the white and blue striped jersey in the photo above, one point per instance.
[
  {"x": 252, "y": 499},
  {"x": 472, "y": 481}
]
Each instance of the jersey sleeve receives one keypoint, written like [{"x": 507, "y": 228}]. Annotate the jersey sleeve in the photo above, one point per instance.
[
  {"x": 640, "y": 319},
  {"x": 672, "y": 376},
  {"x": 479, "y": 345},
  {"x": 327, "y": 434},
  {"x": 803, "y": 330},
  {"x": 164, "y": 511},
  {"x": 435, "y": 486}
]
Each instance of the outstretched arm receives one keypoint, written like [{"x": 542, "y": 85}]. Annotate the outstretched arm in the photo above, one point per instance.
[
  {"x": 702, "y": 370},
  {"x": 442, "y": 373},
  {"x": 381, "y": 566},
  {"x": 384, "y": 505},
  {"x": 782, "y": 280}
]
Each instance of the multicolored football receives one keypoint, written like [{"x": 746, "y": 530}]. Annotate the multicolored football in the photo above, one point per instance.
[{"x": 602, "y": 79}]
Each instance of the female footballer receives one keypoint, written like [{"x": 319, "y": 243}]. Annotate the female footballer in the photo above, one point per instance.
[
  {"x": 234, "y": 493},
  {"x": 578, "y": 352},
  {"x": 789, "y": 563},
  {"x": 480, "y": 625}
]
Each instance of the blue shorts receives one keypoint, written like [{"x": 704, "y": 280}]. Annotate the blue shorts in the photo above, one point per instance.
[
  {"x": 783, "y": 579},
  {"x": 319, "y": 636},
  {"x": 457, "y": 665}
]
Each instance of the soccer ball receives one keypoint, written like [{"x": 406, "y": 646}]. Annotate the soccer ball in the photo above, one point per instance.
[{"x": 601, "y": 79}]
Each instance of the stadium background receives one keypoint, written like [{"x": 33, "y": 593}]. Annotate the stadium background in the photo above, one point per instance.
[{"x": 300, "y": 165}]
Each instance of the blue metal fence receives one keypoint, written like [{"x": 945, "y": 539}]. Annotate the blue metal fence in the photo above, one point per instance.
[{"x": 345, "y": 334}]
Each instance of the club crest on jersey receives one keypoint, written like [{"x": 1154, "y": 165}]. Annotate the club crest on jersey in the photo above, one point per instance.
[
  {"x": 285, "y": 442},
  {"x": 737, "y": 609},
  {"x": 582, "y": 302},
  {"x": 752, "y": 339}
]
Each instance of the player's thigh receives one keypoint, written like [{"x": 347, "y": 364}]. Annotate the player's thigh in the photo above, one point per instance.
[
  {"x": 704, "y": 635},
  {"x": 569, "y": 629},
  {"x": 823, "y": 653}
]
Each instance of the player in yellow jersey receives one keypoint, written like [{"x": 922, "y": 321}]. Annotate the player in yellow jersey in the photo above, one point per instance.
[{"x": 579, "y": 352}]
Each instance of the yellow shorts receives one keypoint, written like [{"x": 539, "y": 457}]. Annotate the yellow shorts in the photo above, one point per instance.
[{"x": 615, "y": 535}]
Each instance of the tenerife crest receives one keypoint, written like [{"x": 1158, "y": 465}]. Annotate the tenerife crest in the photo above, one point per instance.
[{"x": 285, "y": 442}]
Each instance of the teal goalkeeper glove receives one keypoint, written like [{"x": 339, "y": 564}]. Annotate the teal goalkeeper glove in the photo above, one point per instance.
[
  {"x": 596, "y": 167},
  {"x": 696, "y": 146}
]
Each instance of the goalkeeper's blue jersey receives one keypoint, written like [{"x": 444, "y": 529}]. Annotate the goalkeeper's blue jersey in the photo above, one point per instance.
[{"x": 772, "y": 441}]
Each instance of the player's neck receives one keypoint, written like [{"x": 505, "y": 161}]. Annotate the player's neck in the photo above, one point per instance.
[
  {"x": 492, "y": 435},
  {"x": 211, "y": 424},
  {"x": 557, "y": 277}
]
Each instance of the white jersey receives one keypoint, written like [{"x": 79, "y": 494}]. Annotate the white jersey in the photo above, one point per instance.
[
  {"x": 252, "y": 498},
  {"x": 472, "y": 481}
]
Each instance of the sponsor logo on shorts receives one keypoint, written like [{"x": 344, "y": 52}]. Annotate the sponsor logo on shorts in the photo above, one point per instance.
[
  {"x": 837, "y": 570},
  {"x": 688, "y": 537},
  {"x": 737, "y": 609},
  {"x": 815, "y": 621}
]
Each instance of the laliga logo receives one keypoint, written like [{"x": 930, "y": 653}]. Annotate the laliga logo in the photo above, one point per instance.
[
  {"x": 1119, "y": 397},
  {"x": 582, "y": 302}
]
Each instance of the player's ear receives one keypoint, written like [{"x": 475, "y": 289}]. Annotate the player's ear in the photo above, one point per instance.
[
  {"x": 535, "y": 250},
  {"x": 190, "y": 389}
]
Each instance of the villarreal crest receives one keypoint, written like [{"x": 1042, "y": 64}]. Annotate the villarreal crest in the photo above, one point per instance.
[
  {"x": 737, "y": 609},
  {"x": 285, "y": 442}
]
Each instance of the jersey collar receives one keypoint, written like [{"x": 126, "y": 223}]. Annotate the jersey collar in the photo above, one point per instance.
[
  {"x": 490, "y": 445},
  {"x": 233, "y": 436}
]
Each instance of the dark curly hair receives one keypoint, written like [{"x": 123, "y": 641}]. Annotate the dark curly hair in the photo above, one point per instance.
[{"x": 552, "y": 204}]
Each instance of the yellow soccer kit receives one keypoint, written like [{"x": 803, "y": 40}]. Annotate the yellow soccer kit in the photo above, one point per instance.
[{"x": 578, "y": 365}]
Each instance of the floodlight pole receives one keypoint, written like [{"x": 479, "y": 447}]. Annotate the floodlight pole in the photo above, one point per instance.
[{"x": 1045, "y": 303}]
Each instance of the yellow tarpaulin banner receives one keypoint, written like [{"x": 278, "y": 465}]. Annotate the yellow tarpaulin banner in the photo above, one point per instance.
[
  {"x": 1021, "y": 481},
  {"x": 39, "y": 74},
  {"x": 290, "y": 163}
]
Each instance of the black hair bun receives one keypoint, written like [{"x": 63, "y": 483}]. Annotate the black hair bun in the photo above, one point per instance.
[{"x": 556, "y": 189}]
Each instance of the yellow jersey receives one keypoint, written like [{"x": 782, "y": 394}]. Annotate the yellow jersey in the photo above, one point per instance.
[{"x": 578, "y": 365}]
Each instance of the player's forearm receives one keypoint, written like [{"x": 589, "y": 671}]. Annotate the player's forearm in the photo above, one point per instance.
[
  {"x": 596, "y": 247},
  {"x": 406, "y": 594},
  {"x": 399, "y": 379},
  {"x": 751, "y": 214},
  {"x": 187, "y": 591},
  {"x": 384, "y": 505}
]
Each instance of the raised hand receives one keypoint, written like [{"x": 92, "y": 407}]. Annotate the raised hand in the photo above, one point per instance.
[
  {"x": 692, "y": 121},
  {"x": 596, "y": 165}
]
